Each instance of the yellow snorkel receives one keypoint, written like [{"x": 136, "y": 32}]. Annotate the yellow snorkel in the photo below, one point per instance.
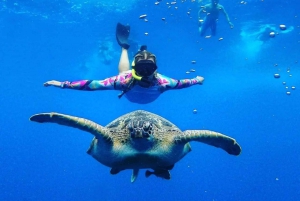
[{"x": 134, "y": 75}]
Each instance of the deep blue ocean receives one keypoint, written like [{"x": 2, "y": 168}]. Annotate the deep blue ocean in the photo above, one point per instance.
[{"x": 42, "y": 40}]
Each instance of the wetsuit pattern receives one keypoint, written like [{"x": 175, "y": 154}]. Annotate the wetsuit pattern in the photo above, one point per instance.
[
  {"x": 118, "y": 82},
  {"x": 121, "y": 81},
  {"x": 169, "y": 83}
]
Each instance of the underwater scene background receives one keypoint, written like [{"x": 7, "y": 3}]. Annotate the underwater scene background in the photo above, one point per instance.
[{"x": 41, "y": 40}]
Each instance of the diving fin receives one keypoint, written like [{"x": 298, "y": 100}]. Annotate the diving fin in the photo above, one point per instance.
[{"x": 122, "y": 34}]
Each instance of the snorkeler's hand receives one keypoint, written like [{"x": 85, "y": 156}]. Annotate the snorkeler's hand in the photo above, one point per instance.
[
  {"x": 52, "y": 83},
  {"x": 201, "y": 79},
  {"x": 231, "y": 25}
]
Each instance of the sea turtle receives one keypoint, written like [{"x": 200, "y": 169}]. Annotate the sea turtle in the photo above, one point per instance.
[{"x": 140, "y": 140}]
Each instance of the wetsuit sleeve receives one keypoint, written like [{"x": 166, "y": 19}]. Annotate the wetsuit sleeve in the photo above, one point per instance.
[
  {"x": 113, "y": 83},
  {"x": 169, "y": 83}
]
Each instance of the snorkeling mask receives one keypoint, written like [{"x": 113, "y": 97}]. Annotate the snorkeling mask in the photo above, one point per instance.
[{"x": 144, "y": 64}]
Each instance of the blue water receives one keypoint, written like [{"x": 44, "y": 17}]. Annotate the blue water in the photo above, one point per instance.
[{"x": 45, "y": 40}]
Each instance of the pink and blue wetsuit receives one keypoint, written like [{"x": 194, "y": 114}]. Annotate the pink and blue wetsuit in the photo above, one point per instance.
[{"x": 136, "y": 93}]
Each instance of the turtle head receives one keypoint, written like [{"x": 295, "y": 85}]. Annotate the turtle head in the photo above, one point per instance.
[{"x": 140, "y": 129}]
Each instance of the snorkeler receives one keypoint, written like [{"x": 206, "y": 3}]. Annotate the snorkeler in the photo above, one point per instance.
[
  {"x": 142, "y": 84},
  {"x": 211, "y": 12}
]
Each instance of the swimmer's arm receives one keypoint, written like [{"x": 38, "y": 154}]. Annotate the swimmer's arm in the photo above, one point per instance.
[
  {"x": 87, "y": 85},
  {"x": 169, "y": 83},
  {"x": 202, "y": 11},
  {"x": 222, "y": 9},
  {"x": 199, "y": 13}
]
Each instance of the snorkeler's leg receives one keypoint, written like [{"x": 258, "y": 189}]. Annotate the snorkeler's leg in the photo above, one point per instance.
[{"x": 124, "y": 61}]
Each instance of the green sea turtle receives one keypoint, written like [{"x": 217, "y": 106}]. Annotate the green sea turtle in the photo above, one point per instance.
[{"x": 140, "y": 140}]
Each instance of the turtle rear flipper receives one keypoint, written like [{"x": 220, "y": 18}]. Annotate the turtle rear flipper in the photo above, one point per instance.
[
  {"x": 216, "y": 139},
  {"x": 72, "y": 121},
  {"x": 134, "y": 175},
  {"x": 162, "y": 173},
  {"x": 114, "y": 171}
]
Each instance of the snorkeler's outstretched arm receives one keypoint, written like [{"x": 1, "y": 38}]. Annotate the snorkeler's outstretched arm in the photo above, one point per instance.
[
  {"x": 170, "y": 83},
  {"x": 86, "y": 85},
  {"x": 115, "y": 82}
]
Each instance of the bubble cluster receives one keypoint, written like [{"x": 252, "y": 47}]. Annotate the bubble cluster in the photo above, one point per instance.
[{"x": 285, "y": 83}]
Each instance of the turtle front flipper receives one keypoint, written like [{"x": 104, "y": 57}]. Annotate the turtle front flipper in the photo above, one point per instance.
[
  {"x": 211, "y": 138},
  {"x": 72, "y": 121}
]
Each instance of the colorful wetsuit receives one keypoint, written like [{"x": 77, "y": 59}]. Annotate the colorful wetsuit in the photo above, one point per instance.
[{"x": 136, "y": 93}]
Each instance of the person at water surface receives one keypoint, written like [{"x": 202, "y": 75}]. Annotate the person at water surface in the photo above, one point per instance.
[{"x": 211, "y": 14}]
